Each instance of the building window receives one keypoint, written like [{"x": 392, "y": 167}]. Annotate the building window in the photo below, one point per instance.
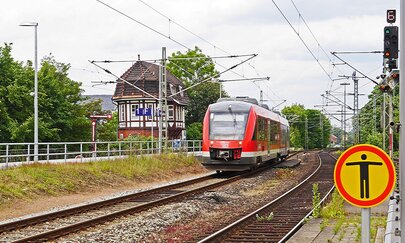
[
  {"x": 134, "y": 107},
  {"x": 122, "y": 112},
  {"x": 178, "y": 118},
  {"x": 150, "y": 106},
  {"x": 171, "y": 112}
]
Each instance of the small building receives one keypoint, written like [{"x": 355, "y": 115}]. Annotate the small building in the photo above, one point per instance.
[
  {"x": 129, "y": 100},
  {"x": 332, "y": 139}
]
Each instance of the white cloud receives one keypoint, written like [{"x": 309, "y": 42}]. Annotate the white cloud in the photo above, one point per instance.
[{"x": 77, "y": 31}]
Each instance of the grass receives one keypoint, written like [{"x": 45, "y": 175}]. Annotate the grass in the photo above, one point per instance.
[
  {"x": 31, "y": 181},
  {"x": 334, "y": 212}
]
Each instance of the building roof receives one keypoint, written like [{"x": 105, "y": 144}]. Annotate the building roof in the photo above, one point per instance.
[{"x": 145, "y": 76}]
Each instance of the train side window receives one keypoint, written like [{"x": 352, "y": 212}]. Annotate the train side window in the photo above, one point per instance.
[
  {"x": 261, "y": 129},
  {"x": 274, "y": 132}
]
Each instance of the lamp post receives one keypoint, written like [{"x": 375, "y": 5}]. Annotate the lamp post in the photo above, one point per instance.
[{"x": 34, "y": 24}]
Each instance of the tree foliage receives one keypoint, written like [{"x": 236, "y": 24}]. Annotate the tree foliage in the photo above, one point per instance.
[
  {"x": 194, "y": 131},
  {"x": 371, "y": 125},
  {"x": 191, "y": 68},
  {"x": 319, "y": 127},
  {"x": 62, "y": 115}
]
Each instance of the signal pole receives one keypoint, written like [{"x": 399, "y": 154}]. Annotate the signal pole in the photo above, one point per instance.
[
  {"x": 384, "y": 123},
  {"x": 402, "y": 113}
]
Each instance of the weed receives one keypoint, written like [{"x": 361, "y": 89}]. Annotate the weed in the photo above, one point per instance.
[
  {"x": 316, "y": 200},
  {"x": 338, "y": 225},
  {"x": 341, "y": 235},
  {"x": 283, "y": 173},
  {"x": 335, "y": 208},
  {"x": 324, "y": 224},
  {"x": 265, "y": 218}
]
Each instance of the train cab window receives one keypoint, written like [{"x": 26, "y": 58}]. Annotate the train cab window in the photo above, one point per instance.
[{"x": 228, "y": 126}]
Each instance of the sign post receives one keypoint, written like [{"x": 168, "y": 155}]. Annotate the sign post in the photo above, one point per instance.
[{"x": 365, "y": 177}]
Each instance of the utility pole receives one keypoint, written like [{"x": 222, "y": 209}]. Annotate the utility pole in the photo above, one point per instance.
[
  {"x": 391, "y": 121},
  {"x": 383, "y": 120},
  {"x": 306, "y": 133},
  {"x": 344, "y": 113},
  {"x": 402, "y": 114},
  {"x": 162, "y": 106},
  {"x": 321, "y": 125},
  {"x": 374, "y": 113},
  {"x": 341, "y": 128},
  {"x": 356, "y": 109},
  {"x": 261, "y": 97}
]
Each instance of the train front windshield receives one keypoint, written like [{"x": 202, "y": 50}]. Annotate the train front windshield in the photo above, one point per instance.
[{"x": 228, "y": 126}]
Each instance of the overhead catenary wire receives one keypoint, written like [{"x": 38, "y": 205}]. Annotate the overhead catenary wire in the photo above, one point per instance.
[
  {"x": 334, "y": 53},
  {"x": 209, "y": 78},
  {"x": 171, "y": 21},
  {"x": 302, "y": 40},
  {"x": 215, "y": 76},
  {"x": 172, "y": 58},
  {"x": 168, "y": 36},
  {"x": 144, "y": 25},
  {"x": 129, "y": 83}
]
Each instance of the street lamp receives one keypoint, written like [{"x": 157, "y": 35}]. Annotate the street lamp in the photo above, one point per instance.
[{"x": 34, "y": 24}]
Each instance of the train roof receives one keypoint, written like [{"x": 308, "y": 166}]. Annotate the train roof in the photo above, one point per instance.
[{"x": 243, "y": 105}]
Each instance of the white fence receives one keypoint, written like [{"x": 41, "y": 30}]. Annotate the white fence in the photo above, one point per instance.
[{"x": 88, "y": 151}]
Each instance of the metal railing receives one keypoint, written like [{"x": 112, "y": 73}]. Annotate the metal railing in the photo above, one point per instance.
[{"x": 88, "y": 151}]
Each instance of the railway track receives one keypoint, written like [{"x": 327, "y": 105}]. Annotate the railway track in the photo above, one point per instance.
[
  {"x": 288, "y": 211},
  {"x": 56, "y": 224}
]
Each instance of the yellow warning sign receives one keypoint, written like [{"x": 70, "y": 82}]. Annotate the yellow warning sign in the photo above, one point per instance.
[{"x": 364, "y": 175}]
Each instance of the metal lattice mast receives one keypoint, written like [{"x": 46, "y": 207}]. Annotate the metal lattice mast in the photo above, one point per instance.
[
  {"x": 356, "y": 109},
  {"x": 374, "y": 113},
  {"x": 162, "y": 116},
  {"x": 402, "y": 115},
  {"x": 383, "y": 120}
]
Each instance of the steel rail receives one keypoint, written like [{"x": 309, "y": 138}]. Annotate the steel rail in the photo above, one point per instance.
[
  {"x": 56, "y": 233},
  {"x": 96, "y": 205},
  {"x": 299, "y": 224},
  {"x": 224, "y": 232}
]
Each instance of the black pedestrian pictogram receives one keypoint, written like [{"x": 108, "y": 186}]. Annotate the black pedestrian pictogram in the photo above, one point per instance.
[{"x": 364, "y": 180}]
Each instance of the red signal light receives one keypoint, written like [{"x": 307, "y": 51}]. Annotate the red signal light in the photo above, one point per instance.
[{"x": 387, "y": 54}]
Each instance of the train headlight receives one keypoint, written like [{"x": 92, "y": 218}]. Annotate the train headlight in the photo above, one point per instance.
[
  {"x": 212, "y": 142},
  {"x": 240, "y": 143}
]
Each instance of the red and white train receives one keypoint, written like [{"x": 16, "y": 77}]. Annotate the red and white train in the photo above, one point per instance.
[{"x": 238, "y": 134}]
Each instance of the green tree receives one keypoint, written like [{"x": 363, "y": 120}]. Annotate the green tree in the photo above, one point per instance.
[
  {"x": 371, "y": 129},
  {"x": 193, "y": 67},
  {"x": 8, "y": 75},
  {"x": 194, "y": 131},
  {"x": 319, "y": 127},
  {"x": 296, "y": 115},
  {"x": 62, "y": 114},
  {"x": 108, "y": 130}
]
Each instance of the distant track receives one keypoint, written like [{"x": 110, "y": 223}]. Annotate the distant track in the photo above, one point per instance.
[{"x": 288, "y": 210}]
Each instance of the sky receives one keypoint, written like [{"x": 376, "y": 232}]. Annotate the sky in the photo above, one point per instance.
[{"x": 75, "y": 32}]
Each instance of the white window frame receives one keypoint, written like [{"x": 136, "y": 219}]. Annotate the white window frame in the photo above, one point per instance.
[
  {"x": 133, "y": 111},
  {"x": 122, "y": 112},
  {"x": 170, "y": 108},
  {"x": 150, "y": 105}
]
